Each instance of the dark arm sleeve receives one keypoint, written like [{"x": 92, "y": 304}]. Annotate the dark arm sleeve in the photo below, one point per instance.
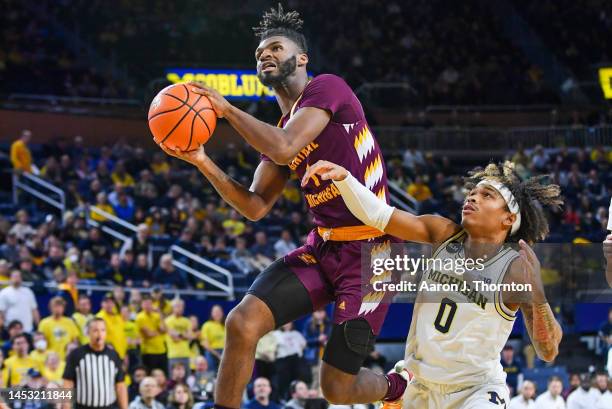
[{"x": 71, "y": 363}]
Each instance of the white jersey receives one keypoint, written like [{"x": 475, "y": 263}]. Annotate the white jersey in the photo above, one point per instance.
[{"x": 456, "y": 336}]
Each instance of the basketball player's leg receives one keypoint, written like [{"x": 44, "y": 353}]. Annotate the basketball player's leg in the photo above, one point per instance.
[
  {"x": 263, "y": 309},
  {"x": 343, "y": 379},
  {"x": 357, "y": 322}
]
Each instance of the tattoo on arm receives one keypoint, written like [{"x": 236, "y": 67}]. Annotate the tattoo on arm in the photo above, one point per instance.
[{"x": 544, "y": 330}]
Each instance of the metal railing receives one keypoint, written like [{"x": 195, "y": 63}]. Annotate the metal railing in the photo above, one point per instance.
[
  {"x": 58, "y": 202},
  {"x": 127, "y": 240},
  {"x": 226, "y": 290},
  {"x": 400, "y": 198}
]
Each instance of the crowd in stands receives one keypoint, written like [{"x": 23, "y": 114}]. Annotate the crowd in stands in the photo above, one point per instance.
[
  {"x": 570, "y": 27},
  {"x": 584, "y": 176},
  {"x": 36, "y": 58},
  {"x": 163, "y": 198},
  {"x": 170, "y": 360},
  {"x": 171, "y": 203},
  {"x": 155, "y": 341},
  {"x": 583, "y": 391},
  {"x": 448, "y": 52},
  {"x": 587, "y": 389}
]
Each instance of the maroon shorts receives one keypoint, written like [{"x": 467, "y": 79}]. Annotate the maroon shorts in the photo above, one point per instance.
[{"x": 332, "y": 271}]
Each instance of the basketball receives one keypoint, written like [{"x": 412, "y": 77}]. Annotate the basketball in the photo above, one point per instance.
[{"x": 181, "y": 119}]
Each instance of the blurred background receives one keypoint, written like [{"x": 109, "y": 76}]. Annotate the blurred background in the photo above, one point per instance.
[{"x": 96, "y": 207}]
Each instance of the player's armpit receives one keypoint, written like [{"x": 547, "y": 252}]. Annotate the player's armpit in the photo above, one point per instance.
[{"x": 422, "y": 229}]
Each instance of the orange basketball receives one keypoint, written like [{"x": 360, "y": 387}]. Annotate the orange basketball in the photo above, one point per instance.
[{"x": 180, "y": 119}]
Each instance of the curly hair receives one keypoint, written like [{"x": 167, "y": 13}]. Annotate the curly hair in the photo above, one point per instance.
[
  {"x": 277, "y": 22},
  {"x": 531, "y": 194}
]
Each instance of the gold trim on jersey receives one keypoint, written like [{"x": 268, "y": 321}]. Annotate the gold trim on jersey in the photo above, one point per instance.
[
  {"x": 364, "y": 143},
  {"x": 373, "y": 173},
  {"x": 500, "y": 307},
  {"x": 292, "y": 110}
]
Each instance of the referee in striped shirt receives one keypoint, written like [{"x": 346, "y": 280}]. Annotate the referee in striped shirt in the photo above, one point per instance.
[{"x": 95, "y": 373}]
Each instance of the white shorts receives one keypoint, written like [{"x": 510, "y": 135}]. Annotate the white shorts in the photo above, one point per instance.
[{"x": 488, "y": 396}]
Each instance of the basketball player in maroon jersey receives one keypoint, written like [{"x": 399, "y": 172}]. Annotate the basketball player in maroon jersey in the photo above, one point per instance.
[{"x": 321, "y": 119}]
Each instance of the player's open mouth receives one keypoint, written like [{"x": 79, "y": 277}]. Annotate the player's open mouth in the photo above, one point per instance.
[
  {"x": 468, "y": 208},
  {"x": 268, "y": 66}
]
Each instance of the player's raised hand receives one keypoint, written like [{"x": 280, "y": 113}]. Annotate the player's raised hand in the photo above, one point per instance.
[
  {"x": 218, "y": 102},
  {"x": 196, "y": 157},
  {"x": 326, "y": 170},
  {"x": 531, "y": 269}
]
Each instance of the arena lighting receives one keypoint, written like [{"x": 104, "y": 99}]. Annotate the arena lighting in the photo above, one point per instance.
[
  {"x": 605, "y": 79},
  {"x": 232, "y": 84}
]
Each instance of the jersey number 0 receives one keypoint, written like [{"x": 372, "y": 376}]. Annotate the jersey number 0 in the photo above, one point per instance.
[{"x": 451, "y": 306}]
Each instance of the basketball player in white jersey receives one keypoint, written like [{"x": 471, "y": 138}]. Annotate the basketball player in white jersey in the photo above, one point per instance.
[{"x": 455, "y": 338}]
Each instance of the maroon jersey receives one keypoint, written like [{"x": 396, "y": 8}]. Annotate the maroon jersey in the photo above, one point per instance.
[{"x": 346, "y": 140}]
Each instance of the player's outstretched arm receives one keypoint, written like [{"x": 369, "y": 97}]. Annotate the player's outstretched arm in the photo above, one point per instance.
[
  {"x": 372, "y": 211},
  {"x": 253, "y": 203},
  {"x": 542, "y": 326},
  {"x": 279, "y": 144}
]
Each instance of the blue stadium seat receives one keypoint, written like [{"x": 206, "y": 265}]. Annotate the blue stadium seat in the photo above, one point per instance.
[{"x": 540, "y": 376}]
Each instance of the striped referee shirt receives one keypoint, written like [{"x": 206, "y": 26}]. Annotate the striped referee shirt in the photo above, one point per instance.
[{"x": 94, "y": 374}]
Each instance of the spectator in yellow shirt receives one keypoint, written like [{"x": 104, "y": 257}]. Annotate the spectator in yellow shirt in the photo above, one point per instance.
[
  {"x": 178, "y": 335},
  {"x": 159, "y": 302},
  {"x": 291, "y": 193},
  {"x": 102, "y": 204},
  {"x": 212, "y": 337},
  {"x": 195, "y": 349},
  {"x": 120, "y": 175},
  {"x": 115, "y": 326},
  {"x": 40, "y": 352},
  {"x": 133, "y": 338},
  {"x": 419, "y": 190},
  {"x": 53, "y": 369},
  {"x": 159, "y": 165},
  {"x": 82, "y": 316},
  {"x": 21, "y": 157},
  {"x": 17, "y": 366},
  {"x": 152, "y": 329},
  {"x": 58, "y": 329},
  {"x": 233, "y": 225}
]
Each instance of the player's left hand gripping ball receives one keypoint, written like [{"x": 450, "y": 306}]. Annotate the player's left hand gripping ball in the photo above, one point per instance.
[{"x": 218, "y": 101}]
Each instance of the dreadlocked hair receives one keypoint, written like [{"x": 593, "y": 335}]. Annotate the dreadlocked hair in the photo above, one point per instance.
[
  {"x": 531, "y": 194},
  {"x": 278, "y": 23}
]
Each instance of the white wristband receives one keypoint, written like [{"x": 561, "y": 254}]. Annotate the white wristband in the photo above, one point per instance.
[{"x": 363, "y": 203}]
